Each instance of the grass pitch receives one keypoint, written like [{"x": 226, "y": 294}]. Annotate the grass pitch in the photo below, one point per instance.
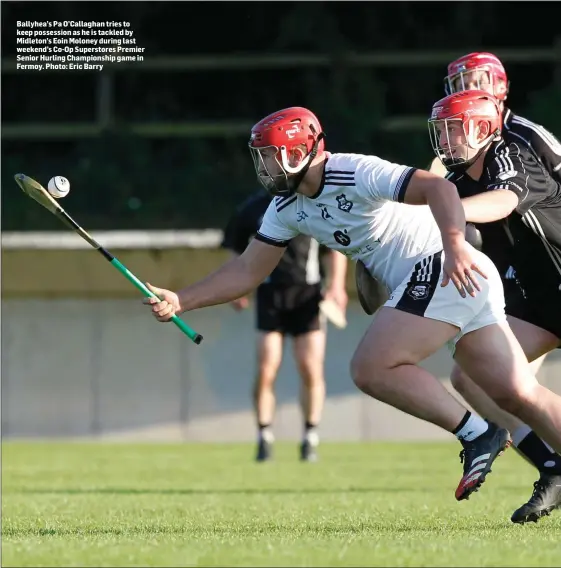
[{"x": 90, "y": 504}]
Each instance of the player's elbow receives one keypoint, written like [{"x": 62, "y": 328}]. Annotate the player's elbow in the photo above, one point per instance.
[{"x": 506, "y": 203}]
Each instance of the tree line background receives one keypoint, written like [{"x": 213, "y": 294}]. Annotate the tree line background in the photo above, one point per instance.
[{"x": 123, "y": 181}]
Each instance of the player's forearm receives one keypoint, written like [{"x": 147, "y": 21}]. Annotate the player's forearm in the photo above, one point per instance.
[
  {"x": 230, "y": 282},
  {"x": 489, "y": 206},
  {"x": 448, "y": 212},
  {"x": 337, "y": 269}
]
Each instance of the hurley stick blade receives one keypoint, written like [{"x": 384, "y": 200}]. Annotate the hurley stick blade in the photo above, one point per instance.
[
  {"x": 37, "y": 192},
  {"x": 333, "y": 313}
]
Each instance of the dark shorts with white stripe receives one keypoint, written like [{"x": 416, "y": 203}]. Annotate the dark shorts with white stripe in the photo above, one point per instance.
[
  {"x": 540, "y": 306},
  {"x": 290, "y": 310}
]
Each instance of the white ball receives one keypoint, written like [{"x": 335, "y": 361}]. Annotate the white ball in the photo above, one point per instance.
[{"x": 58, "y": 187}]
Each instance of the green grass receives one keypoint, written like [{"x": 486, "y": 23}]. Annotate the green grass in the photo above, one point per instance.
[{"x": 80, "y": 504}]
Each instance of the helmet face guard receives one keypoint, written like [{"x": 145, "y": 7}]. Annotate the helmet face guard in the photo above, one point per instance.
[
  {"x": 276, "y": 175},
  {"x": 479, "y": 78},
  {"x": 456, "y": 155},
  {"x": 462, "y": 126},
  {"x": 274, "y": 170},
  {"x": 477, "y": 71},
  {"x": 445, "y": 151}
]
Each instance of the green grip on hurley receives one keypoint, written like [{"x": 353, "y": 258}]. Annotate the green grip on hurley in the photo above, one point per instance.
[{"x": 190, "y": 333}]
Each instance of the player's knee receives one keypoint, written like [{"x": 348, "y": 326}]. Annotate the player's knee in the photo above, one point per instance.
[
  {"x": 357, "y": 372},
  {"x": 366, "y": 371},
  {"x": 266, "y": 375},
  {"x": 311, "y": 372}
]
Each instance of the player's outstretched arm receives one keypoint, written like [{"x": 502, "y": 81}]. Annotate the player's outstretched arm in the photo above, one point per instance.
[
  {"x": 515, "y": 180},
  {"x": 443, "y": 199},
  {"x": 243, "y": 302},
  {"x": 489, "y": 206},
  {"x": 232, "y": 280}
]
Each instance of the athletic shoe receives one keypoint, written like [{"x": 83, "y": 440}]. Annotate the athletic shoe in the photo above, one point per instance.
[
  {"x": 545, "y": 498},
  {"x": 264, "y": 451},
  {"x": 309, "y": 447},
  {"x": 478, "y": 457},
  {"x": 308, "y": 451}
]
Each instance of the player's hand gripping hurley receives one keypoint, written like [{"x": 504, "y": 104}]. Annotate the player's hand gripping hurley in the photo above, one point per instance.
[{"x": 37, "y": 192}]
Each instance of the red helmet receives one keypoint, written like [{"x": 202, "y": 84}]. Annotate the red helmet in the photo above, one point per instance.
[
  {"x": 462, "y": 125},
  {"x": 468, "y": 70},
  {"x": 283, "y": 146}
]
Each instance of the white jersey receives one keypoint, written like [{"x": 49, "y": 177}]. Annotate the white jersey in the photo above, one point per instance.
[{"x": 357, "y": 211}]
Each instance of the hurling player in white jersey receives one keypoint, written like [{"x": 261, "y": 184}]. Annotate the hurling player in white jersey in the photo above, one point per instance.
[{"x": 408, "y": 227}]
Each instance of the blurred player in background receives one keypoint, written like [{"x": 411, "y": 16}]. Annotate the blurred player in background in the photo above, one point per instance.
[
  {"x": 407, "y": 226},
  {"x": 288, "y": 303},
  {"x": 505, "y": 183}
]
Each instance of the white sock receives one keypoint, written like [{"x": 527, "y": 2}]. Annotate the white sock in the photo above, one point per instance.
[
  {"x": 266, "y": 434},
  {"x": 312, "y": 437},
  {"x": 473, "y": 428}
]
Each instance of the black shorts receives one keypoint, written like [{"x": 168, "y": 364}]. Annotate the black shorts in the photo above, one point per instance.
[
  {"x": 541, "y": 308},
  {"x": 291, "y": 310}
]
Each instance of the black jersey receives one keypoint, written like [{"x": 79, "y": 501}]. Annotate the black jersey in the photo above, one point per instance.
[
  {"x": 529, "y": 239},
  {"x": 300, "y": 264},
  {"x": 542, "y": 143}
]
